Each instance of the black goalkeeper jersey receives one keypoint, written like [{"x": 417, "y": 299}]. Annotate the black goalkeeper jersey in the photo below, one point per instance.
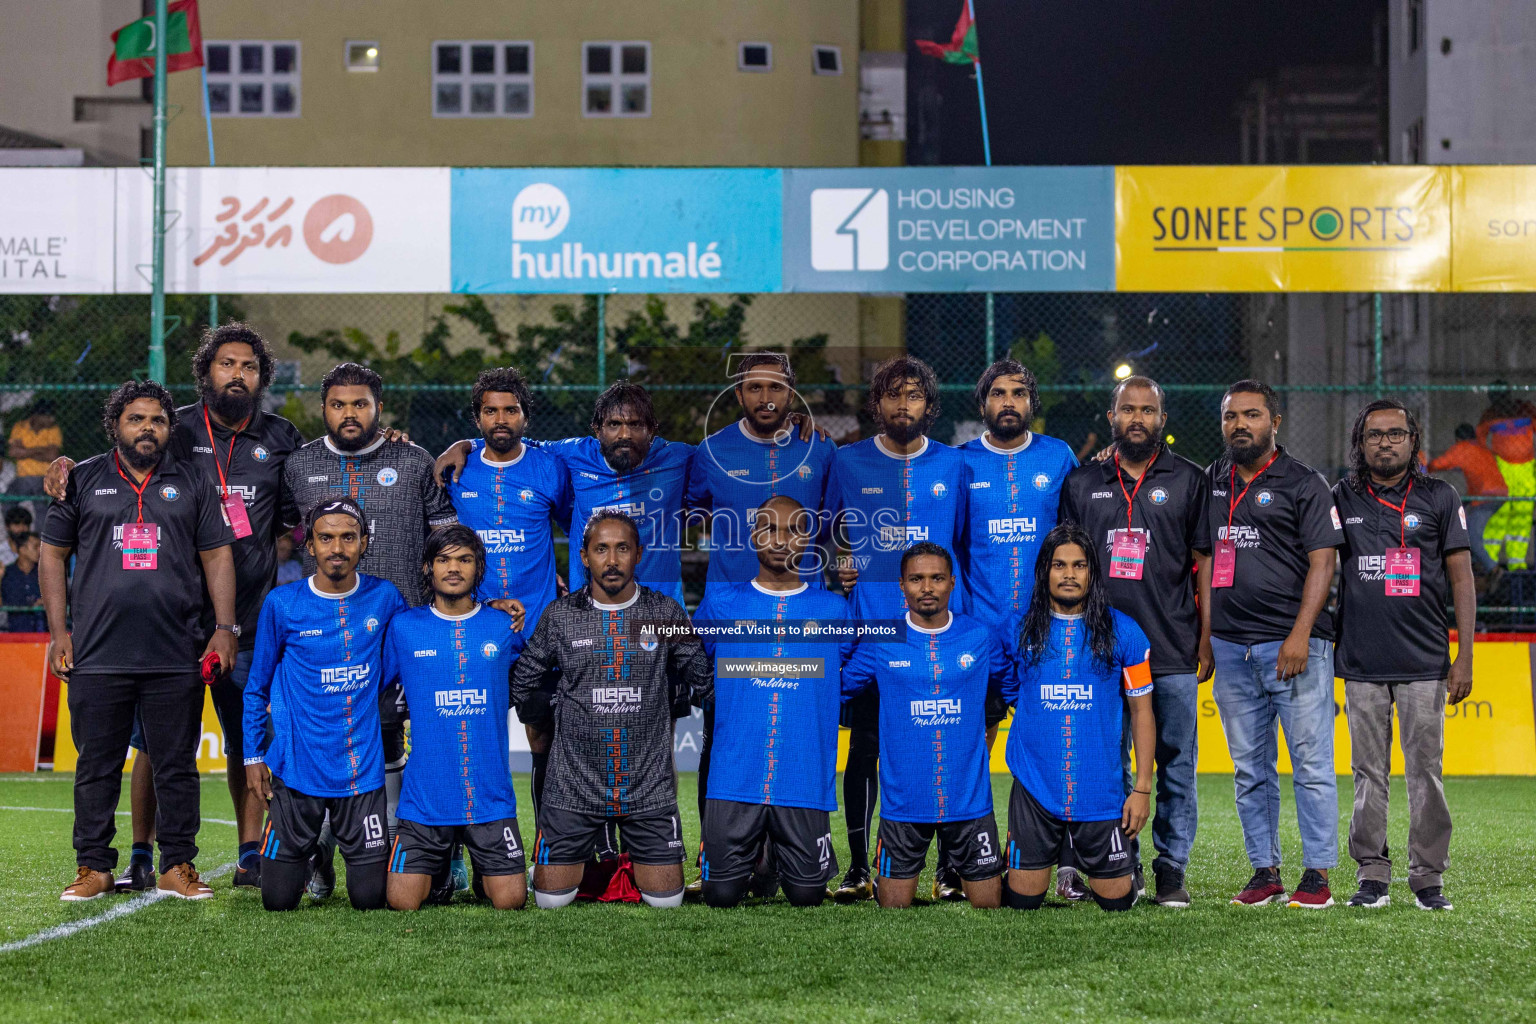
[
  {"x": 611, "y": 690},
  {"x": 392, "y": 481}
]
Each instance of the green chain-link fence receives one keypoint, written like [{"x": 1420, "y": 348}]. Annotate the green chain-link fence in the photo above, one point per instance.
[{"x": 1448, "y": 356}]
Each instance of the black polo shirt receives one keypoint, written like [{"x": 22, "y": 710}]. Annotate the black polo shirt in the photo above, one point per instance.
[
  {"x": 255, "y": 472},
  {"x": 1286, "y": 513},
  {"x": 1396, "y": 639},
  {"x": 131, "y": 621},
  {"x": 1172, "y": 509}
]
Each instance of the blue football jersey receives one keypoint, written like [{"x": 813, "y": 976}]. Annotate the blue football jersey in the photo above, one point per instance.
[
  {"x": 652, "y": 494},
  {"x": 1013, "y": 498},
  {"x": 509, "y": 505},
  {"x": 454, "y": 671},
  {"x": 1064, "y": 743},
  {"x": 318, "y": 663},
  {"x": 775, "y": 733},
  {"x": 933, "y": 725},
  {"x": 886, "y": 503},
  {"x": 734, "y": 472}
]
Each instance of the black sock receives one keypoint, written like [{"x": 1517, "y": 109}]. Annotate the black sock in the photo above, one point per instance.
[
  {"x": 143, "y": 853},
  {"x": 536, "y": 782},
  {"x": 860, "y": 791},
  {"x": 248, "y": 851}
]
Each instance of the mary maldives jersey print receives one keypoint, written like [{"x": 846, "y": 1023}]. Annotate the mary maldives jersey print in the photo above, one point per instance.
[
  {"x": 610, "y": 690},
  {"x": 392, "y": 481}
]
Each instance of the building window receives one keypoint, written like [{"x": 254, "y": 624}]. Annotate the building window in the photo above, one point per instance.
[
  {"x": 754, "y": 57},
  {"x": 1415, "y": 25},
  {"x": 616, "y": 79},
  {"x": 252, "y": 78},
  {"x": 827, "y": 60},
  {"x": 362, "y": 55},
  {"x": 1413, "y": 143},
  {"x": 482, "y": 78}
]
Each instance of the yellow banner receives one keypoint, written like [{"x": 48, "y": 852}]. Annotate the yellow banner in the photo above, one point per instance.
[
  {"x": 1494, "y": 212},
  {"x": 1265, "y": 229},
  {"x": 210, "y": 747}
]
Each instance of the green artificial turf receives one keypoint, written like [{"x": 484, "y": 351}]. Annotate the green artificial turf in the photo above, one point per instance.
[{"x": 227, "y": 959}]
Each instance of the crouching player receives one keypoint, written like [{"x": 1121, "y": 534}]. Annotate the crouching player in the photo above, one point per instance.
[
  {"x": 318, "y": 664},
  {"x": 934, "y": 775},
  {"x": 453, "y": 657},
  {"x": 775, "y": 736},
  {"x": 1077, "y": 656}
]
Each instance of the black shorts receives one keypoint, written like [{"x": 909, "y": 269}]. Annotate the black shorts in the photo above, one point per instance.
[
  {"x": 862, "y": 711},
  {"x": 995, "y": 709},
  {"x": 294, "y": 820},
  {"x": 495, "y": 847},
  {"x": 570, "y": 837},
  {"x": 1037, "y": 839},
  {"x": 901, "y": 847},
  {"x": 734, "y": 833},
  {"x": 392, "y": 718}
]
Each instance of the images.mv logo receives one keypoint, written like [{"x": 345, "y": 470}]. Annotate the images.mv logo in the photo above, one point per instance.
[{"x": 850, "y": 229}]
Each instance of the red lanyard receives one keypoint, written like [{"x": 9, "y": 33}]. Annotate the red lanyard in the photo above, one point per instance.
[
  {"x": 1401, "y": 510},
  {"x": 1131, "y": 496},
  {"x": 1232, "y": 503},
  {"x": 138, "y": 489},
  {"x": 214, "y": 444}
]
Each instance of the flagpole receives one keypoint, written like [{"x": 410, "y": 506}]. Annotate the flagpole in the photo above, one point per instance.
[
  {"x": 213, "y": 297},
  {"x": 157, "y": 280},
  {"x": 986, "y": 154}
]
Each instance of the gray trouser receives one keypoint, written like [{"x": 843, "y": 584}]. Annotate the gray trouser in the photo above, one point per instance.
[{"x": 1421, "y": 716}]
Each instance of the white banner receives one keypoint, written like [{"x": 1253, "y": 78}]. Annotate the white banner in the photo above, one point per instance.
[
  {"x": 289, "y": 229},
  {"x": 56, "y": 230}
]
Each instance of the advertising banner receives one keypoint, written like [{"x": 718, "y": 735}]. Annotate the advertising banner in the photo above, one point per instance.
[
  {"x": 331, "y": 230},
  {"x": 1494, "y": 212},
  {"x": 588, "y": 230},
  {"x": 949, "y": 229},
  {"x": 1265, "y": 229},
  {"x": 56, "y": 230}
]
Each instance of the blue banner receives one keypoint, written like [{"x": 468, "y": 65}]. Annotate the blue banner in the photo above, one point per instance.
[
  {"x": 546, "y": 230},
  {"x": 949, "y": 229}
]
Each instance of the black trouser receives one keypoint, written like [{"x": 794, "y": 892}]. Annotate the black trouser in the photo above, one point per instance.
[
  {"x": 101, "y": 711},
  {"x": 861, "y": 774},
  {"x": 704, "y": 752}
]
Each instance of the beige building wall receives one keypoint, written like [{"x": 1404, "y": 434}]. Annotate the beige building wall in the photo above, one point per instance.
[
  {"x": 53, "y": 78},
  {"x": 704, "y": 111}
]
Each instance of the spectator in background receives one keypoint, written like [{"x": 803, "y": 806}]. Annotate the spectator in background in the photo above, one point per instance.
[
  {"x": 19, "y": 588},
  {"x": 18, "y": 523},
  {"x": 1506, "y": 428},
  {"x": 289, "y": 569},
  {"x": 35, "y": 442},
  {"x": 1480, "y": 467}
]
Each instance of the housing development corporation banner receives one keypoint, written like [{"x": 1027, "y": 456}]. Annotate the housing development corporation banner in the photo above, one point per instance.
[{"x": 336, "y": 230}]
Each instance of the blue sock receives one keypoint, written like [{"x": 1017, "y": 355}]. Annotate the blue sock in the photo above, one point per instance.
[
  {"x": 248, "y": 850},
  {"x": 143, "y": 853}
]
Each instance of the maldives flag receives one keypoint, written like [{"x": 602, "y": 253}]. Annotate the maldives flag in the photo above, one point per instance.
[
  {"x": 134, "y": 47},
  {"x": 961, "y": 48}
]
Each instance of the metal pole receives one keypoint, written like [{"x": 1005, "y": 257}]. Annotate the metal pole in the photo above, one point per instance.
[
  {"x": 986, "y": 156},
  {"x": 1376, "y": 380},
  {"x": 157, "y": 281},
  {"x": 602, "y": 340}
]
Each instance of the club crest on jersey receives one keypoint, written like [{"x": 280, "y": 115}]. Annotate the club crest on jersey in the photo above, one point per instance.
[
  {"x": 967, "y": 659},
  {"x": 489, "y": 651},
  {"x": 169, "y": 493},
  {"x": 1263, "y": 498},
  {"x": 938, "y": 489},
  {"x": 805, "y": 472},
  {"x": 525, "y": 495},
  {"x": 260, "y": 454},
  {"x": 1041, "y": 481},
  {"x": 1158, "y": 496},
  {"x": 648, "y": 642},
  {"x": 387, "y": 477},
  {"x": 371, "y": 625},
  {"x": 1411, "y": 521}
]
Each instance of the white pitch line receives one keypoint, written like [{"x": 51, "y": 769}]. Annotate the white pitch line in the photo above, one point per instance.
[
  {"x": 64, "y": 931},
  {"x": 71, "y": 810}
]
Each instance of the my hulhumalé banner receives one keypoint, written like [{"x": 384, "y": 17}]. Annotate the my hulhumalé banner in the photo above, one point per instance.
[{"x": 1269, "y": 229}]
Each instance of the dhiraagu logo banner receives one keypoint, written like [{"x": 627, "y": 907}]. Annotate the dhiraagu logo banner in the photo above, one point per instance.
[
  {"x": 616, "y": 230},
  {"x": 1303, "y": 229}
]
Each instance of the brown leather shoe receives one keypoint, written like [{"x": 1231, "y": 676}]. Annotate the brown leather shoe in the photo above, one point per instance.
[
  {"x": 182, "y": 882},
  {"x": 88, "y": 885}
]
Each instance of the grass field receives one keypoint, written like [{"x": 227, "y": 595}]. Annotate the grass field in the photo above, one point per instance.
[{"x": 229, "y": 960}]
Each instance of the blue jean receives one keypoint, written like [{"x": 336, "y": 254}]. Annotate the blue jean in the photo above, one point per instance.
[
  {"x": 1252, "y": 703},
  {"x": 1176, "y": 814}
]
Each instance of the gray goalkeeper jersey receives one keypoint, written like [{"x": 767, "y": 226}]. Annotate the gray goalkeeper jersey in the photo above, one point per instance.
[
  {"x": 392, "y": 481},
  {"x": 611, "y": 690}
]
